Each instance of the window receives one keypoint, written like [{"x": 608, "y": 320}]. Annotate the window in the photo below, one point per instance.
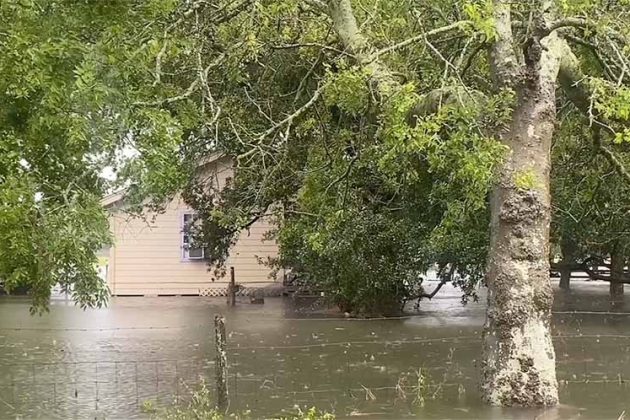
[{"x": 189, "y": 252}]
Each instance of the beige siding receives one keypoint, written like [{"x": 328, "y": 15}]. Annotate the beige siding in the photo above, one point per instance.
[{"x": 147, "y": 257}]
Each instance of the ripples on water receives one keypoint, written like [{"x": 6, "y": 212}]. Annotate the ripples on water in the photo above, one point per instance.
[{"x": 108, "y": 363}]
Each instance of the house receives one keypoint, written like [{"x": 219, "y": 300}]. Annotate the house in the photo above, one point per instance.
[{"x": 151, "y": 256}]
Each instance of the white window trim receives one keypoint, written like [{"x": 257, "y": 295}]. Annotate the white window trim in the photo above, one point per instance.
[{"x": 185, "y": 251}]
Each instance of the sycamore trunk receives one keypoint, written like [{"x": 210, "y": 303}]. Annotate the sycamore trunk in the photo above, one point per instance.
[
  {"x": 518, "y": 366},
  {"x": 518, "y": 356}
]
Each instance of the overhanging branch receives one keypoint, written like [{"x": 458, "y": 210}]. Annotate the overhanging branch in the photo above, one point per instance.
[
  {"x": 596, "y": 53},
  {"x": 596, "y": 275},
  {"x": 188, "y": 92},
  {"x": 446, "y": 279},
  {"x": 610, "y": 156},
  {"x": 259, "y": 140},
  {"x": 567, "y": 22},
  {"x": 575, "y": 85},
  {"x": 461, "y": 26},
  {"x": 503, "y": 60}
]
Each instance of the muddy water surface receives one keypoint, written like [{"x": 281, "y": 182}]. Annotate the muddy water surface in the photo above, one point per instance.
[{"x": 141, "y": 352}]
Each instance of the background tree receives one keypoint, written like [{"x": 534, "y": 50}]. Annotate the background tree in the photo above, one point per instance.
[
  {"x": 51, "y": 152},
  {"x": 590, "y": 206},
  {"x": 590, "y": 178}
]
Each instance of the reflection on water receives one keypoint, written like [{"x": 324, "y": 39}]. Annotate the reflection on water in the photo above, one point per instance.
[{"x": 107, "y": 363}]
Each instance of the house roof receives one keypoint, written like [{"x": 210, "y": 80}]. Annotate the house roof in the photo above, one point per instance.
[{"x": 115, "y": 197}]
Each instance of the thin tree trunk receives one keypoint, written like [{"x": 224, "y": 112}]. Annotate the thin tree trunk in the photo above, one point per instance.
[
  {"x": 565, "y": 278},
  {"x": 518, "y": 366},
  {"x": 567, "y": 247},
  {"x": 617, "y": 263}
]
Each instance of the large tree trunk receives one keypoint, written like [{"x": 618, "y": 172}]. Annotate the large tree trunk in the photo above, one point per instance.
[
  {"x": 518, "y": 356},
  {"x": 617, "y": 264},
  {"x": 518, "y": 366}
]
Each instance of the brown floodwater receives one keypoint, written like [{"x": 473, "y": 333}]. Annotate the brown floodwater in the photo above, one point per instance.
[{"x": 141, "y": 352}]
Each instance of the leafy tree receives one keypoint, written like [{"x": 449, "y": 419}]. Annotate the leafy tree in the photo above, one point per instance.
[
  {"x": 66, "y": 68},
  {"x": 590, "y": 209},
  {"x": 51, "y": 220},
  {"x": 590, "y": 178},
  {"x": 392, "y": 121}
]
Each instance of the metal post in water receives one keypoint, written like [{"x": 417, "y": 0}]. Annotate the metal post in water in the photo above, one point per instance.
[
  {"x": 96, "y": 385},
  {"x": 220, "y": 363},
  {"x": 136, "y": 381},
  {"x": 176, "y": 384},
  {"x": 13, "y": 387},
  {"x": 232, "y": 287}
]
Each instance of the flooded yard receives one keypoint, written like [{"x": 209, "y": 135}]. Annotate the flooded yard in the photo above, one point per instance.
[{"x": 140, "y": 352}]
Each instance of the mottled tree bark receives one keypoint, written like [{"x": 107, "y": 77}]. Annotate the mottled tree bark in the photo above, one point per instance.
[{"x": 518, "y": 367}]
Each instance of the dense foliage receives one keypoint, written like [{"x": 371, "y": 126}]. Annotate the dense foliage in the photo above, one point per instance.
[
  {"x": 371, "y": 180},
  {"x": 51, "y": 152},
  {"x": 590, "y": 179},
  {"x": 365, "y": 202}
]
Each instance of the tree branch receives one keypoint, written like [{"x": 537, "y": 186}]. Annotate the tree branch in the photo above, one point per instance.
[
  {"x": 503, "y": 58},
  {"x": 461, "y": 25},
  {"x": 285, "y": 121},
  {"x": 574, "y": 83},
  {"x": 158, "y": 61},
  {"x": 433, "y": 293},
  {"x": 189, "y": 91},
  {"x": 609, "y": 155},
  {"x": 311, "y": 45},
  {"x": 595, "y": 275},
  {"x": 318, "y": 4},
  {"x": 443, "y": 281},
  {"x": 595, "y": 50},
  {"x": 565, "y": 266},
  {"x": 197, "y": 5},
  {"x": 382, "y": 80},
  {"x": 472, "y": 56},
  {"x": 232, "y": 13},
  {"x": 344, "y": 175},
  {"x": 567, "y": 22}
]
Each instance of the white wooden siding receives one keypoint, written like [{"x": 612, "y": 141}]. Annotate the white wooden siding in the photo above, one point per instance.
[{"x": 147, "y": 258}]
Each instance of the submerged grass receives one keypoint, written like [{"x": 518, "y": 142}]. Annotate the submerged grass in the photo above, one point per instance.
[{"x": 202, "y": 407}]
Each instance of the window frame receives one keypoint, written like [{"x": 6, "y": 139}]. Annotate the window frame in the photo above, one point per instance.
[{"x": 185, "y": 249}]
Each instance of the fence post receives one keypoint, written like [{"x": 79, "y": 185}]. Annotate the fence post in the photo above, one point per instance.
[
  {"x": 220, "y": 363},
  {"x": 232, "y": 287}
]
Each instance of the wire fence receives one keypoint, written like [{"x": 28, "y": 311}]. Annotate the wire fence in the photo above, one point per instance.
[
  {"x": 366, "y": 371},
  {"x": 257, "y": 376},
  {"x": 67, "y": 386}
]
